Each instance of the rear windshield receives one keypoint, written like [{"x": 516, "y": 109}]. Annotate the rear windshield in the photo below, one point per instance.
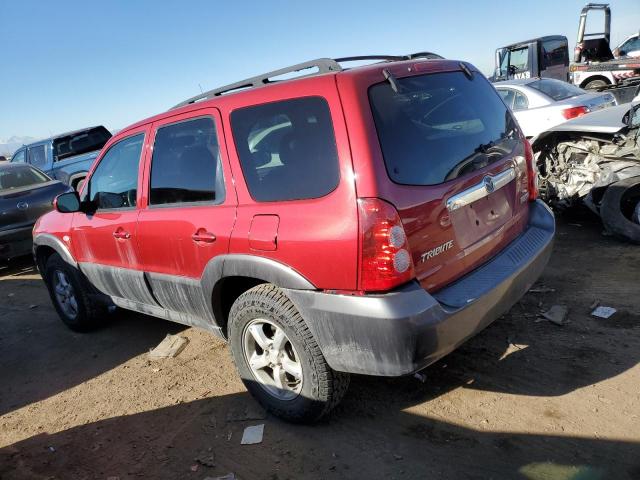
[
  {"x": 555, "y": 89},
  {"x": 440, "y": 126},
  {"x": 80, "y": 142},
  {"x": 20, "y": 177}
]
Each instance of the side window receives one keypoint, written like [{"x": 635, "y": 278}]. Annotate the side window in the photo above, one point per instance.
[
  {"x": 287, "y": 149},
  {"x": 507, "y": 96},
  {"x": 630, "y": 45},
  {"x": 19, "y": 157},
  {"x": 186, "y": 165},
  {"x": 37, "y": 156},
  {"x": 520, "y": 102},
  {"x": 519, "y": 59},
  {"x": 554, "y": 52},
  {"x": 114, "y": 182}
]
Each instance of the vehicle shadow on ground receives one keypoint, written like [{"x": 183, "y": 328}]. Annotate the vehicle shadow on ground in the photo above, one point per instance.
[
  {"x": 197, "y": 439},
  {"x": 371, "y": 434},
  {"x": 41, "y": 357}
]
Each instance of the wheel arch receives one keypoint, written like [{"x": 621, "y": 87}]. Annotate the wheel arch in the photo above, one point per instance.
[
  {"x": 76, "y": 178},
  {"x": 45, "y": 245},
  {"x": 227, "y": 277},
  {"x": 591, "y": 78}
]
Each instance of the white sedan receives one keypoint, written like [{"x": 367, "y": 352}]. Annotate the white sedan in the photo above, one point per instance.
[
  {"x": 629, "y": 48},
  {"x": 541, "y": 103}
]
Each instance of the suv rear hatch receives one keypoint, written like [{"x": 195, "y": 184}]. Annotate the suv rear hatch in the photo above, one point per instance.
[{"x": 455, "y": 168}]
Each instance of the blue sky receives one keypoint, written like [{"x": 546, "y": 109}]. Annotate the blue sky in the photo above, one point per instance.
[{"x": 70, "y": 64}]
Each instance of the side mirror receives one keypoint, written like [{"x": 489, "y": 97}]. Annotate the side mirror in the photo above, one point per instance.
[{"x": 67, "y": 202}]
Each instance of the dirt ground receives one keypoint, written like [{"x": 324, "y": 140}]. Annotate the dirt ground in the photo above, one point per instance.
[{"x": 526, "y": 399}]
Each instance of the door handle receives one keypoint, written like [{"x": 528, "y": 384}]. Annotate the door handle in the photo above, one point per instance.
[
  {"x": 121, "y": 234},
  {"x": 203, "y": 236}
]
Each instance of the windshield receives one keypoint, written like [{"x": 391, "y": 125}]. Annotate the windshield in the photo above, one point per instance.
[
  {"x": 440, "y": 126},
  {"x": 555, "y": 89},
  {"x": 80, "y": 142},
  {"x": 20, "y": 177}
]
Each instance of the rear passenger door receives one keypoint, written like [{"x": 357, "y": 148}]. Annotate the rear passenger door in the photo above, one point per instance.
[{"x": 190, "y": 207}]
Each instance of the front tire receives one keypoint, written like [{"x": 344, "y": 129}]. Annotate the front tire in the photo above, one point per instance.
[
  {"x": 278, "y": 358},
  {"x": 70, "y": 294}
]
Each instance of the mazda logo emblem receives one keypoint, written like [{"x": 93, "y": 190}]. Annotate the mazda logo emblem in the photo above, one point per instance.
[
  {"x": 22, "y": 206},
  {"x": 488, "y": 184}
]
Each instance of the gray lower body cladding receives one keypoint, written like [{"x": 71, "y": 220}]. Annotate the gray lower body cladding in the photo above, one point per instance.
[{"x": 404, "y": 331}]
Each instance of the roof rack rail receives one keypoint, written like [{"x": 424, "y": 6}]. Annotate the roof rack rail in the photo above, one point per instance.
[{"x": 323, "y": 65}]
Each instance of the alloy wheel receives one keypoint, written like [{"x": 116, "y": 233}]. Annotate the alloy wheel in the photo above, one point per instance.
[
  {"x": 272, "y": 359},
  {"x": 65, "y": 294}
]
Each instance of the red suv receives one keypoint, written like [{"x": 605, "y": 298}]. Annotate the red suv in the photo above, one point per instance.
[{"x": 365, "y": 220}]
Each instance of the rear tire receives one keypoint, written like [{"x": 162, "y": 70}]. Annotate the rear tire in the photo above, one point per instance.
[
  {"x": 595, "y": 84},
  {"x": 266, "y": 314},
  {"x": 619, "y": 203},
  {"x": 70, "y": 294}
]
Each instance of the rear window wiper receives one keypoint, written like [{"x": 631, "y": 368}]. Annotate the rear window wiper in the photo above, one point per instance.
[{"x": 393, "y": 81}]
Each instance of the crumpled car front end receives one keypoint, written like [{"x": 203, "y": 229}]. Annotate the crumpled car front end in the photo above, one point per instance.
[{"x": 580, "y": 160}]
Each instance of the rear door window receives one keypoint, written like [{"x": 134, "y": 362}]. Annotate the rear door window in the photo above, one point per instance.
[
  {"x": 287, "y": 149},
  {"x": 520, "y": 102},
  {"x": 186, "y": 165},
  {"x": 507, "y": 96},
  {"x": 37, "y": 156},
  {"x": 441, "y": 126}
]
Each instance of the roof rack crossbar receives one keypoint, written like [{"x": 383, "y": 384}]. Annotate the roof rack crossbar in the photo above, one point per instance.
[{"x": 323, "y": 65}]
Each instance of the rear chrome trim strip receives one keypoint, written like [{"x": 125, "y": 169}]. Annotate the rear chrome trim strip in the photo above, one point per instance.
[{"x": 487, "y": 186}]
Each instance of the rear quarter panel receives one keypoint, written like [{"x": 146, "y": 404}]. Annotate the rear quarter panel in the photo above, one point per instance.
[{"x": 317, "y": 237}]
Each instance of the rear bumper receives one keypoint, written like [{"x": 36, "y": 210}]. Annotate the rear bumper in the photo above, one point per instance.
[
  {"x": 406, "y": 330},
  {"x": 16, "y": 242}
]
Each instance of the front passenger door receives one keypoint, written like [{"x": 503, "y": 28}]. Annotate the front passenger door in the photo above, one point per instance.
[{"x": 105, "y": 240}]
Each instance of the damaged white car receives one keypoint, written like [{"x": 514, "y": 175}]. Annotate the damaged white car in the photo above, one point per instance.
[{"x": 595, "y": 159}]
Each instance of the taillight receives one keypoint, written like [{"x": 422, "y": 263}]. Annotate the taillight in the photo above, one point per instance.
[
  {"x": 574, "y": 112},
  {"x": 385, "y": 261},
  {"x": 532, "y": 171}
]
